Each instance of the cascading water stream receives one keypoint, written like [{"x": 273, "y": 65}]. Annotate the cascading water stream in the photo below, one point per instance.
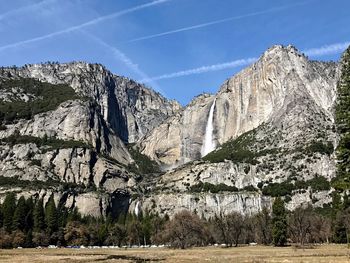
[{"x": 208, "y": 143}]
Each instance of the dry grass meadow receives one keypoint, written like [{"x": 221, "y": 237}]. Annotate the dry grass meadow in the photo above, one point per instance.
[{"x": 319, "y": 254}]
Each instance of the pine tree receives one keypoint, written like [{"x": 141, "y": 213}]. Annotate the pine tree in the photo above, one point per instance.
[
  {"x": 29, "y": 239},
  {"x": 279, "y": 221},
  {"x": 1, "y": 217},
  {"x": 102, "y": 233},
  {"x": 342, "y": 120},
  {"x": 51, "y": 215},
  {"x": 20, "y": 214},
  {"x": 339, "y": 229},
  {"x": 62, "y": 213},
  {"x": 39, "y": 216},
  {"x": 8, "y": 209},
  {"x": 146, "y": 228},
  {"x": 73, "y": 215},
  {"x": 29, "y": 221}
]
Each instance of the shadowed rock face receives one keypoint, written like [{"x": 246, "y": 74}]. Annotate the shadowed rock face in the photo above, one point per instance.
[{"x": 258, "y": 94}]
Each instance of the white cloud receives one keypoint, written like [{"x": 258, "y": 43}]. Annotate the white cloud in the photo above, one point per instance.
[
  {"x": 327, "y": 49},
  {"x": 83, "y": 25},
  {"x": 203, "y": 69}
]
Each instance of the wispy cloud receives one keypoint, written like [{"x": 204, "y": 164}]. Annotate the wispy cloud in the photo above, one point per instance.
[
  {"x": 25, "y": 8},
  {"x": 335, "y": 48},
  {"x": 327, "y": 49},
  {"x": 203, "y": 69},
  {"x": 83, "y": 25},
  {"x": 220, "y": 21},
  {"x": 121, "y": 56}
]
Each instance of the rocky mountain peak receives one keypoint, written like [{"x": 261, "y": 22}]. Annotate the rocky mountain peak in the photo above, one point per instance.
[{"x": 254, "y": 96}]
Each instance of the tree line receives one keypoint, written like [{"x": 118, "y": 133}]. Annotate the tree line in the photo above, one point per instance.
[{"x": 30, "y": 223}]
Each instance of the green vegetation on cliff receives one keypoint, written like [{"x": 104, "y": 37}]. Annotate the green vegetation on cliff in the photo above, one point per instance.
[
  {"x": 287, "y": 187},
  {"x": 42, "y": 97},
  {"x": 143, "y": 164},
  {"x": 51, "y": 142},
  {"x": 213, "y": 188},
  {"x": 235, "y": 150}
]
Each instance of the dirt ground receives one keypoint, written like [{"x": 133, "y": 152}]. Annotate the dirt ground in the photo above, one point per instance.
[{"x": 318, "y": 254}]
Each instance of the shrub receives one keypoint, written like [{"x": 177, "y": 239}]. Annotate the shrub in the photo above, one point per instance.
[
  {"x": 213, "y": 188},
  {"x": 54, "y": 143},
  {"x": 318, "y": 183},
  {"x": 278, "y": 189},
  {"x": 320, "y": 147},
  {"x": 250, "y": 188}
]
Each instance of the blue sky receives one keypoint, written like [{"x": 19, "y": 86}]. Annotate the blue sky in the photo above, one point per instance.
[{"x": 179, "y": 47}]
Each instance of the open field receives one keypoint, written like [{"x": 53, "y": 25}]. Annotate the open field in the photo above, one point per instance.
[{"x": 319, "y": 254}]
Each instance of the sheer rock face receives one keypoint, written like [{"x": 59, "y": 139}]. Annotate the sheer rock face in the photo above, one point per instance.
[
  {"x": 206, "y": 204},
  {"x": 261, "y": 93},
  {"x": 179, "y": 139}
]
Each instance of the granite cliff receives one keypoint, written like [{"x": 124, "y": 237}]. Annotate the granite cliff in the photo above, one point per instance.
[{"x": 272, "y": 125}]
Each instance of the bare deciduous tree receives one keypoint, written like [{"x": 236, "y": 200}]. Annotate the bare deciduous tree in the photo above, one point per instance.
[
  {"x": 229, "y": 228},
  {"x": 321, "y": 229},
  {"x": 263, "y": 227},
  {"x": 299, "y": 224},
  {"x": 185, "y": 230}
]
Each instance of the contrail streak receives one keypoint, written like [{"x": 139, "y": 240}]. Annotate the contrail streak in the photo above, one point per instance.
[
  {"x": 327, "y": 49},
  {"x": 24, "y": 8},
  {"x": 203, "y": 69},
  {"x": 83, "y": 25},
  {"x": 313, "y": 52},
  {"x": 119, "y": 55},
  {"x": 220, "y": 21}
]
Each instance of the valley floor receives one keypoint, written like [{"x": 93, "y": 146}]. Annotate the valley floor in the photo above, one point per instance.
[{"x": 319, "y": 254}]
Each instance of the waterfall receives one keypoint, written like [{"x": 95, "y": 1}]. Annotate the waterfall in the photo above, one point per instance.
[
  {"x": 208, "y": 142},
  {"x": 137, "y": 208}
]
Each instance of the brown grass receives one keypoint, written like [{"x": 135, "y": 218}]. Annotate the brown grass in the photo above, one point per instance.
[{"x": 258, "y": 254}]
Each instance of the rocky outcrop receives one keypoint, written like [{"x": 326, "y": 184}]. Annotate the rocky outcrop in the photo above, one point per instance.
[
  {"x": 204, "y": 204},
  {"x": 92, "y": 203}
]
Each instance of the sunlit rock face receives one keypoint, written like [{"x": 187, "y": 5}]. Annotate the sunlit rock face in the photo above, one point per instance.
[
  {"x": 285, "y": 102},
  {"x": 261, "y": 93}
]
